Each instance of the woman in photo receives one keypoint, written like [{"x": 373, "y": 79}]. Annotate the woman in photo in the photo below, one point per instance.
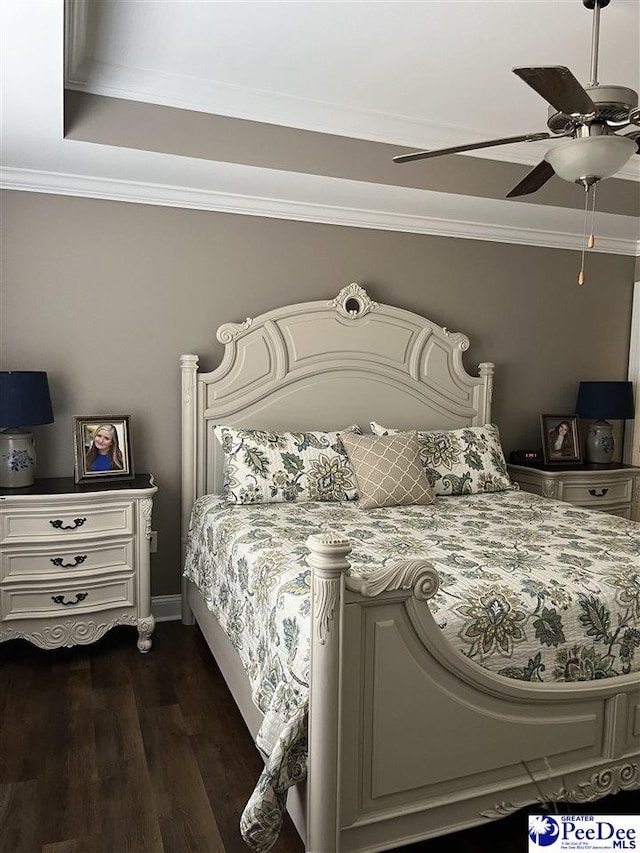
[
  {"x": 560, "y": 441},
  {"x": 104, "y": 454}
]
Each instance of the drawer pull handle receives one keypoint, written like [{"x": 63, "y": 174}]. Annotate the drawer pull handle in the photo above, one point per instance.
[
  {"x": 57, "y": 561},
  {"x": 59, "y": 599},
  {"x": 60, "y": 525},
  {"x": 595, "y": 493}
]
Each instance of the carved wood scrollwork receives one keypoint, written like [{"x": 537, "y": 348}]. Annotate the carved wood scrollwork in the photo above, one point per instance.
[
  {"x": 326, "y": 595},
  {"x": 458, "y": 339},
  {"x": 146, "y": 508},
  {"x": 228, "y": 332},
  {"x": 416, "y": 575},
  {"x": 69, "y": 633},
  {"x": 327, "y": 558},
  {"x": 549, "y": 488},
  {"x": 189, "y": 385},
  {"x": 353, "y": 302},
  {"x": 486, "y": 371},
  {"x": 146, "y": 626},
  {"x": 621, "y": 777},
  {"x": 189, "y": 364}
]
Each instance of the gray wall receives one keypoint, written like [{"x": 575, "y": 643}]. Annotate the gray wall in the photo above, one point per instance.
[
  {"x": 105, "y": 296},
  {"x": 151, "y": 127}
]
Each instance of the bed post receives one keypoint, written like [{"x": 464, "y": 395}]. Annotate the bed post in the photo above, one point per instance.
[
  {"x": 189, "y": 366},
  {"x": 486, "y": 370},
  {"x": 329, "y": 565}
]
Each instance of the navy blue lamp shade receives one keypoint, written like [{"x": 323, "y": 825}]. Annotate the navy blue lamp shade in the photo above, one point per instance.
[
  {"x": 602, "y": 400},
  {"x": 24, "y": 402},
  {"x": 24, "y": 398},
  {"x": 596, "y": 402}
]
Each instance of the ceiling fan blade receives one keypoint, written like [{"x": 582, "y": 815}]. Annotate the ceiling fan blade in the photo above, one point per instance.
[
  {"x": 473, "y": 146},
  {"x": 635, "y": 136},
  {"x": 559, "y": 87},
  {"x": 533, "y": 180}
]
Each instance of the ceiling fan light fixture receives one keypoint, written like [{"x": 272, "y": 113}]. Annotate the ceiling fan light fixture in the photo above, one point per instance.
[{"x": 590, "y": 158}]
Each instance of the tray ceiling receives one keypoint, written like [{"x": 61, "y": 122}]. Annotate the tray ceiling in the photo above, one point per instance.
[
  {"x": 325, "y": 92},
  {"x": 425, "y": 73}
]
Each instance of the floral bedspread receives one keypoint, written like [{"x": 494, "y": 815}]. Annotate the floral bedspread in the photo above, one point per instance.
[{"x": 530, "y": 588}]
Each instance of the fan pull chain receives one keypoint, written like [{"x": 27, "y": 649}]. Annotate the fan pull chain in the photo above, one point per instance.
[
  {"x": 584, "y": 235},
  {"x": 592, "y": 240}
]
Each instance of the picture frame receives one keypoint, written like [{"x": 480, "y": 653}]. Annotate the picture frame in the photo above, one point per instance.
[
  {"x": 560, "y": 439},
  {"x": 102, "y": 445}
]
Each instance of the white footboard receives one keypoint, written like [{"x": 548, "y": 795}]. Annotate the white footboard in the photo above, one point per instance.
[{"x": 408, "y": 739}]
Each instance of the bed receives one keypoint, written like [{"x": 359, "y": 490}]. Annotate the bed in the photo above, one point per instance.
[{"x": 407, "y": 737}]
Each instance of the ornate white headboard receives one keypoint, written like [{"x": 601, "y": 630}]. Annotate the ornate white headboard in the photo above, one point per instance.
[{"x": 326, "y": 365}]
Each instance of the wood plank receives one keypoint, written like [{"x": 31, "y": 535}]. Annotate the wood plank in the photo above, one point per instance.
[
  {"x": 68, "y": 790},
  {"x": 116, "y": 729},
  {"x": 110, "y": 658},
  {"x": 187, "y": 822},
  {"x": 129, "y": 819},
  {"x": 151, "y": 675},
  {"x": 27, "y": 690},
  {"x": 19, "y": 818},
  {"x": 72, "y": 845}
]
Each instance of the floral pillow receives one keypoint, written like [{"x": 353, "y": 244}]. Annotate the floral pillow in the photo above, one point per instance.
[
  {"x": 261, "y": 466},
  {"x": 461, "y": 461}
]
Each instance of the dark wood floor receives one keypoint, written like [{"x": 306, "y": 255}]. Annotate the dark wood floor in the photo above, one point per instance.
[{"x": 105, "y": 750}]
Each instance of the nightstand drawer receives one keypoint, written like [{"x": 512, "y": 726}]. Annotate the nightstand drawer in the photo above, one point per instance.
[
  {"x": 51, "y": 599},
  {"x": 66, "y": 522},
  {"x": 600, "y": 491},
  {"x": 67, "y": 561}
]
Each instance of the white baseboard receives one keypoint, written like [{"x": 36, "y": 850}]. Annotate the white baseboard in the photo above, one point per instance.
[{"x": 166, "y": 608}]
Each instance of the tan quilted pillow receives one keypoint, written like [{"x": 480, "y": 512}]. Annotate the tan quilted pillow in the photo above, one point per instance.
[{"x": 388, "y": 469}]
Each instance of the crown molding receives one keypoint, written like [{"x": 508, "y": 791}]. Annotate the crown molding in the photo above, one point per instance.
[{"x": 561, "y": 230}]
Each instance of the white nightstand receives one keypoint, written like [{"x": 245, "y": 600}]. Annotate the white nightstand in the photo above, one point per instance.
[
  {"x": 75, "y": 561},
  {"x": 610, "y": 488}
]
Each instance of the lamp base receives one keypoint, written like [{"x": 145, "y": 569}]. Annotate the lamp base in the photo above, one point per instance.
[
  {"x": 17, "y": 459},
  {"x": 599, "y": 444}
]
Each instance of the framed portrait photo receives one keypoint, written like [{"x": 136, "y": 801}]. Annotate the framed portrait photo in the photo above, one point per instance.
[
  {"x": 102, "y": 448},
  {"x": 560, "y": 439}
]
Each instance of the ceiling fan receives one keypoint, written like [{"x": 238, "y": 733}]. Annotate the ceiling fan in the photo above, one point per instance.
[{"x": 585, "y": 118}]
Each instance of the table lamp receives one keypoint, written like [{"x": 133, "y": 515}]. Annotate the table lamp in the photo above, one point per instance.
[
  {"x": 598, "y": 401},
  {"x": 24, "y": 402}
]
